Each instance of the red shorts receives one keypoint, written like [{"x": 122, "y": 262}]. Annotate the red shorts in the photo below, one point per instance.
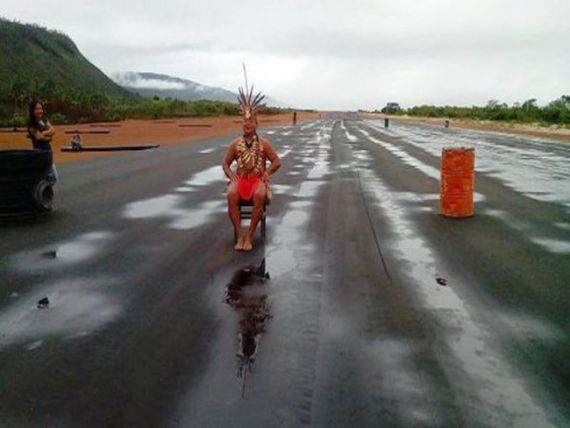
[{"x": 247, "y": 187}]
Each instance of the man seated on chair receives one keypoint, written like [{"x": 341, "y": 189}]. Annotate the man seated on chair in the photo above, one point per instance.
[{"x": 250, "y": 180}]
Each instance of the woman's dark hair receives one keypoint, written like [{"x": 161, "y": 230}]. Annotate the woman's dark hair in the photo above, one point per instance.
[{"x": 32, "y": 122}]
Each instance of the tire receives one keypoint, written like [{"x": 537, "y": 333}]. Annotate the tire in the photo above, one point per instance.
[
  {"x": 42, "y": 195},
  {"x": 25, "y": 192}
]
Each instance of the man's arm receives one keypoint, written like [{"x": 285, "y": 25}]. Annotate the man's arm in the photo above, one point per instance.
[
  {"x": 228, "y": 159},
  {"x": 273, "y": 158}
]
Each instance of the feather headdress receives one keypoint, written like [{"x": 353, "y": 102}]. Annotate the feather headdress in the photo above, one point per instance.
[{"x": 248, "y": 103}]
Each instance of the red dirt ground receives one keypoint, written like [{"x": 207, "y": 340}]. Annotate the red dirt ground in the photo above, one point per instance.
[{"x": 165, "y": 132}]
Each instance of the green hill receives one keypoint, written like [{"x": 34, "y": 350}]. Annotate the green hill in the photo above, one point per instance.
[
  {"x": 35, "y": 61},
  {"x": 45, "y": 64}
]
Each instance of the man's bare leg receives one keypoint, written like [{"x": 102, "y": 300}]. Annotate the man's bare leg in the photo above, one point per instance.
[
  {"x": 258, "y": 202},
  {"x": 268, "y": 192},
  {"x": 233, "y": 211}
]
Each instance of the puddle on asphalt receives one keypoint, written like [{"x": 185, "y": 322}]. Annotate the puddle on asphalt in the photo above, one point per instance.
[
  {"x": 197, "y": 216},
  {"x": 76, "y": 305},
  {"x": 300, "y": 204},
  {"x": 169, "y": 207},
  {"x": 344, "y": 166},
  {"x": 309, "y": 188},
  {"x": 563, "y": 226},
  {"x": 161, "y": 206},
  {"x": 527, "y": 327},
  {"x": 431, "y": 197},
  {"x": 557, "y": 246},
  {"x": 78, "y": 250},
  {"x": 552, "y": 245},
  {"x": 207, "y": 177},
  {"x": 34, "y": 345},
  {"x": 363, "y": 156},
  {"x": 350, "y": 137},
  {"x": 281, "y": 188},
  {"x": 246, "y": 293}
]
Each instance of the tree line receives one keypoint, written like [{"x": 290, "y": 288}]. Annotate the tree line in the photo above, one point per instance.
[
  {"x": 81, "y": 107},
  {"x": 556, "y": 112}
]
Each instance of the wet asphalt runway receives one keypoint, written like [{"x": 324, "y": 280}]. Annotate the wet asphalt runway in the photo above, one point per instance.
[{"x": 363, "y": 308}]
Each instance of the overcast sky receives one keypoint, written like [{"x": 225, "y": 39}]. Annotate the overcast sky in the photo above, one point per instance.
[{"x": 329, "y": 54}]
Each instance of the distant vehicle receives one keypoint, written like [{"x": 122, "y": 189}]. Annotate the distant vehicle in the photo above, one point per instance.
[{"x": 391, "y": 108}]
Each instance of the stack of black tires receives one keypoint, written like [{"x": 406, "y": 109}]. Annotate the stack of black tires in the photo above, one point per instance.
[{"x": 25, "y": 191}]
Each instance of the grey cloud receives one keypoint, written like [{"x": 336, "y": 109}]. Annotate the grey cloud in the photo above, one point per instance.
[{"x": 332, "y": 53}]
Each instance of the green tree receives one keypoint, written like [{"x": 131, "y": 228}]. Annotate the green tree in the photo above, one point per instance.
[{"x": 18, "y": 92}]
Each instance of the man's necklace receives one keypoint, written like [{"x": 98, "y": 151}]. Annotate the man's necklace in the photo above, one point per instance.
[{"x": 248, "y": 144}]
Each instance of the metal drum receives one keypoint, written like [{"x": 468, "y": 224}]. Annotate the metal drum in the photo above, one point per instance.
[{"x": 457, "y": 182}]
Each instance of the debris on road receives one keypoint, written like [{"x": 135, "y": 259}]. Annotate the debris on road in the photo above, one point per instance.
[
  {"x": 43, "y": 303},
  {"x": 441, "y": 281},
  {"x": 52, "y": 254}
]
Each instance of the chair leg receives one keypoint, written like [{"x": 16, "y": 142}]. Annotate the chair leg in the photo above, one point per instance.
[
  {"x": 240, "y": 217},
  {"x": 263, "y": 227},
  {"x": 263, "y": 222}
]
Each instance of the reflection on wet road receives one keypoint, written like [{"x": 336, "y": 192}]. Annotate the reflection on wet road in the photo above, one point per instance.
[
  {"x": 363, "y": 308},
  {"x": 245, "y": 294}
]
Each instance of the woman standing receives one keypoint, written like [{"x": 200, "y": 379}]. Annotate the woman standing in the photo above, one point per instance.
[{"x": 41, "y": 133}]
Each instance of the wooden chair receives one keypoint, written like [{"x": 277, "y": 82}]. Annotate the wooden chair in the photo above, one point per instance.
[{"x": 246, "y": 210}]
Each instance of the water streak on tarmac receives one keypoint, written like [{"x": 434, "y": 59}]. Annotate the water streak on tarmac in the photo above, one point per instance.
[
  {"x": 171, "y": 339},
  {"x": 79, "y": 250},
  {"x": 349, "y": 136},
  {"x": 494, "y": 382},
  {"x": 407, "y": 159},
  {"x": 287, "y": 255},
  {"x": 161, "y": 206},
  {"x": 563, "y": 226},
  {"x": 281, "y": 253},
  {"x": 198, "y": 215},
  {"x": 553, "y": 245},
  {"x": 171, "y": 206},
  {"x": 207, "y": 177},
  {"x": 526, "y": 174},
  {"x": 77, "y": 307},
  {"x": 557, "y": 246},
  {"x": 537, "y": 168}
]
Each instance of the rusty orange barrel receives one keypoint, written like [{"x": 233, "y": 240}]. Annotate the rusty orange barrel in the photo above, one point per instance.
[{"x": 457, "y": 182}]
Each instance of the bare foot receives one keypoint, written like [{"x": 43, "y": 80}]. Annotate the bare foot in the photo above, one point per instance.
[
  {"x": 247, "y": 245},
  {"x": 239, "y": 244}
]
